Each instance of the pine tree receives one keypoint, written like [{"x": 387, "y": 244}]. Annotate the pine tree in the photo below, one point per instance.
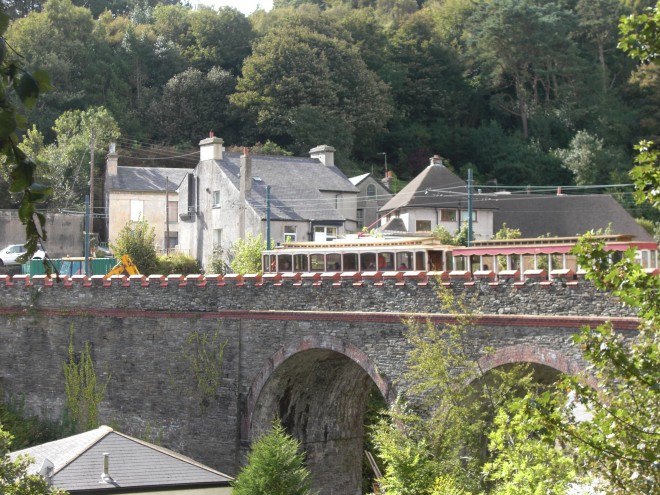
[{"x": 275, "y": 467}]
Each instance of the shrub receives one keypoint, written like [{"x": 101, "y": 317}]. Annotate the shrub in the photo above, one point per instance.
[
  {"x": 179, "y": 263},
  {"x": 137, "y": 239}
]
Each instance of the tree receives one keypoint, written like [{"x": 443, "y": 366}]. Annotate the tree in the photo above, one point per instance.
[
  {"x": 434, "y": 438},
  {"x": 14, "y": 477},
  {"x": 245, "y": 254},
  {"x": 275, "y": 466},
  {"x": 65, "y": 164},
  {"x": 137, "y": 239},
  {"x": 192, "y": 104},
  {"x": 306, "y": 66},
  {"x": 16, "y": 84},
  {"x": 523, "y": 50},
  {"x": 588, "y": 159}
]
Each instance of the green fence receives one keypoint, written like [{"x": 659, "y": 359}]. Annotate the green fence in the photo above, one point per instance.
[{"x": 100, "y": 266}]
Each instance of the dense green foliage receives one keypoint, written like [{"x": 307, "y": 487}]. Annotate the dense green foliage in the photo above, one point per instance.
[
  {"x": 275, "y": 466},
  {"x": 245, "y": 254},
  {"x": 27, "y": 430},
  {"x": 522, "y": 91},
  {"x": 178, "y": 263},
  {"x": 137, "y": 239},
  {"x": 434, "y": 440},
  {"x": 14, "y": 479}
]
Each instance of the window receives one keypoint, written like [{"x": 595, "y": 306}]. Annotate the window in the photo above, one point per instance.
[
  {"x": 217, "y": 237},
  {"x": 360, "y": 218},
  {"x": 447, "y": 215},
  {"x": 216, "y": 199},
  {"x": 423, "y": 226},
  {"x": 172, "y": 211},
  {"x": 137, "y": 210},
  {"x": 371, "y": 191},
  {"x": 464, "y": 215},
  {"x": 322, "y": 233},
  {"x": 290, "y": 233},
  {"x": 172, "y": 241}
]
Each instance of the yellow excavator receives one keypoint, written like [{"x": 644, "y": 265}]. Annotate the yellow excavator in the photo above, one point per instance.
[{"x": 124, "y": 267}]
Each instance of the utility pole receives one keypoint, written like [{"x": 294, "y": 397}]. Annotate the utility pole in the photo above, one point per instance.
[
  {"x": 268, "y": 218},
  {"x": 469, "y": 185},
  {"x": 167, "y": 215},
  {"x": 91, "y": 185}
]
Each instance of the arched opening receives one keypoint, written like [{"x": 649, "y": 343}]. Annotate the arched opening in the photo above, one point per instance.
[{"x": 320, "y": 395}]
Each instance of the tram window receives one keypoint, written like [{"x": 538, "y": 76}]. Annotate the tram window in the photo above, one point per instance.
[
  {"x": 404, "y": 261},
  {"x": 368, "y": 261},
  {"x": 268, "y": 263},
  {"x": 300, "y": 263},
  {"x": 420, "y": 261},
  {"x": 284, "y": 263},
  {"x": 350, "y": 262},
  {"x": 385, "y": 261},
  {"x": 333, "y": 262},
  {"x": 317, "y": 262},
  {"x": 435, "y": 258}
]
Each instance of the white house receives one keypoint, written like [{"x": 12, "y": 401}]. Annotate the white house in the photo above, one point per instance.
[
  {"x": 230, "y": 195},
  {"x": 437, "y": 197}
]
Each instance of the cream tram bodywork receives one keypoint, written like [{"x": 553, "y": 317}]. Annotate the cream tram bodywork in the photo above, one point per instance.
[{"x": 359, "y": 255}]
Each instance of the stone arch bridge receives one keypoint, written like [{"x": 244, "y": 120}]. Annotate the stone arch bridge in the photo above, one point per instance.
[{"x": 305, "y": 347}]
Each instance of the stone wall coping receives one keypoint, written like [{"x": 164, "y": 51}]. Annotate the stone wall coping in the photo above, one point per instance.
[
  {"x": 331, "y": 279},
  {"x": 507, "y": 274},
  {"x": 537, "y": 274}
]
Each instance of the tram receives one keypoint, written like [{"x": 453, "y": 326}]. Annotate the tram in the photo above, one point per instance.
[
  {"x": 359, "y": 254},
  {"x": 364, "y": 254}
]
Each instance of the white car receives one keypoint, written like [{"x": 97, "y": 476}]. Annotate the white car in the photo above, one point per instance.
[{"x": 9, "y": 254}]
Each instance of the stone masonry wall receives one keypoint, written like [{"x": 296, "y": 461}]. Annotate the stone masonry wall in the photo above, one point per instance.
[{"x": 278, "y": 332}]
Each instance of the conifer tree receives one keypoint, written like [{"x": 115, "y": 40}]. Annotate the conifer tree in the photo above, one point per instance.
[{"x": 275, "y": 467}]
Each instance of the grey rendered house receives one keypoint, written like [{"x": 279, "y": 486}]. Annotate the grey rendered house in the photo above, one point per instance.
[
  {"x": 231, "y": 195},
  {"x": 104, "y": 461},
  {"x": 373, "y": 195}
]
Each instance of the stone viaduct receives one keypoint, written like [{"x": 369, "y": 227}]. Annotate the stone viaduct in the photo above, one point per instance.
[{"x": 308, "y": 348}]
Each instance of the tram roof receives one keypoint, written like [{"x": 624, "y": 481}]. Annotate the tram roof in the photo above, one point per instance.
[
  {"x": 365, "y": 242},
  {"x": 548, "y": 245}
]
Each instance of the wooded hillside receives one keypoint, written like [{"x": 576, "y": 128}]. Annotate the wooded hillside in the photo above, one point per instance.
[{"x": 526, "y": 92}]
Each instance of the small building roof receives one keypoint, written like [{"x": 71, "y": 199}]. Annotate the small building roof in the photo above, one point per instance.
[
  {"x": 563, "y": 215},
  {"x": 133, "y": 463},
  {"x": 435, "y": 187},
  {"x": 296, "y": 185},
  {"x": 147, "y": 179}
]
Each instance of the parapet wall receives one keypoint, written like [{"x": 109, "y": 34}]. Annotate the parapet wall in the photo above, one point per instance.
[{"x": 368, "y": 292}]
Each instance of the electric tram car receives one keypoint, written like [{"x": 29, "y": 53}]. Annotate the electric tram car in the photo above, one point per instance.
[{"x": 364, "y": 254}]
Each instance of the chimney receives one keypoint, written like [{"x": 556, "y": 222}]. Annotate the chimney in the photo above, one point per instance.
[
  {"x": 325, "y": 154},
  {"x": 387, "y": 180},
  {"x": 437, "y": 160},
  {"x": 245, "y": 186},
  {"x": 111, "y": 162},
  {"x": 210, "y": 148},
  {"x": 246, "y": 174}
]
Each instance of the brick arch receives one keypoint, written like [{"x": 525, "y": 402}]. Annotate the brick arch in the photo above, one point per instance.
[
  {"x": 307, "y": 343},
  {"x": 529, "y": 354}
]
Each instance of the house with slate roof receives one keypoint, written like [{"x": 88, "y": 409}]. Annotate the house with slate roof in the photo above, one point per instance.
[
  {"x": 564, "y": 215},
  {"x": 230, "y": 195},
  {"x": 104, "y": 461},
  {"x": 437, "y": 197},
  {"x": 372, "y": 196},
  {"x": 149, "y": 193}
]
